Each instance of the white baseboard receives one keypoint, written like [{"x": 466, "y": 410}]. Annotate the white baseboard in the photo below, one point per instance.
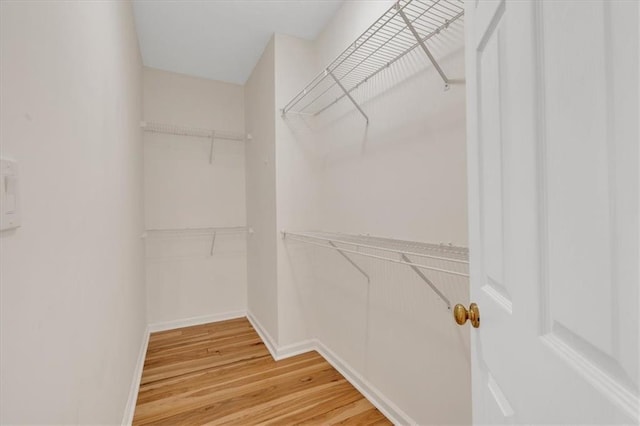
[
  {"x": 382, "y": 403},
  {"x": 377, "y": 398},
  {"x": 268, "y": 341},
  {"x": 188, "y": 322},
  {"x": 135, "y": 382},
  {"x": 280, "y": 352},
  {"x": 295, "y": 349}
]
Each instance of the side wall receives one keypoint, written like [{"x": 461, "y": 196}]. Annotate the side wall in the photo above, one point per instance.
[
  {"x": 298, "y": 179},
  {"x": 403, "y": 176},
  {"x": 182, "y": 189},
  {"x": 72, "y": 297},
  {"x": 262, "y": 290}
]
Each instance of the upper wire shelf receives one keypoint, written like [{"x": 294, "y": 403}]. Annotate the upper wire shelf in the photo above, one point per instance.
[{"x": 406, "y": 25}]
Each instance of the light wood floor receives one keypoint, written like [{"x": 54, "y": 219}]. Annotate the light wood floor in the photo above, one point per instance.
[{"x": 221, "y": 373}]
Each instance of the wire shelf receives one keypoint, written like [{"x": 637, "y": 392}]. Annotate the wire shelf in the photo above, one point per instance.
[
  {"x": 181, "y": 232},
  {"x": 408, "y": 24},
  {"x": 441, "y": 252},
  {"x": 435, "y": 259},
  {"x": 195, "y": 231},
  {"x": 172, "y": 129}
]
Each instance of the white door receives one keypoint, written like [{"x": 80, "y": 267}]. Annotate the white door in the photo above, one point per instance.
[{"x": 553, "y": 130}]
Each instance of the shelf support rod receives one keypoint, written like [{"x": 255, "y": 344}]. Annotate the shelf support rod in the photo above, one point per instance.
[
  {"x": 427, "y": 280},
  {"x": 355, "y": 265},
  {"x": 213, "y": 137},
  {"x": 213, "y": 243},
  {"x": 348, "y": 95},
  {"x": 424, "y": 47}
]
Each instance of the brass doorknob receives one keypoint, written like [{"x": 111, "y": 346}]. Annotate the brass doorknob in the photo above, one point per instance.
[{"x": 461, "y": 314}]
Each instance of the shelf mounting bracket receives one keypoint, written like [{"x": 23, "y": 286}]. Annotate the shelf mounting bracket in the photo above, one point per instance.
[
  {"x": 424, "y": 47},
  {"x": 348, "y": 95},
  {"x": 213, "y": 137},
  {"x": 213, "y": 243},
  {"x": 355, "y": 265},
  {"x": 427, "y": 280}
]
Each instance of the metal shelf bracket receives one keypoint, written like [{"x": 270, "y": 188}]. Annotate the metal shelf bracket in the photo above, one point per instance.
[
  {"x": 211, "y": 152},
  {"x": 426, "y": 280},
  {"x": 213, "y": 243},
  {"x": 355, "y": 265},
  {"x": 424, "y": 47},
  {"x": 348, "y": 95}
]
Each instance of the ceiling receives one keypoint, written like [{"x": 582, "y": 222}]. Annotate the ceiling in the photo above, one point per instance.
[{"x": 221, "y": 39}]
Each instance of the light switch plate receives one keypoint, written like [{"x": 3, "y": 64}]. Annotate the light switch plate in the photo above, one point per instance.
[{"x": 9, "y": 194}]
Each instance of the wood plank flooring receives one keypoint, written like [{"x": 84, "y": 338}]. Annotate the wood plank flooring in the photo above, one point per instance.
[{"x": 222, "y": 373}]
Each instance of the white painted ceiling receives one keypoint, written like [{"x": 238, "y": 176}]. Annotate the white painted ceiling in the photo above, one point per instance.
[{"x": 221, "y": 39}]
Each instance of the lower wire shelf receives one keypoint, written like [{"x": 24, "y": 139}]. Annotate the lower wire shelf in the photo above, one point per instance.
[{"x": 444, "y": 258}]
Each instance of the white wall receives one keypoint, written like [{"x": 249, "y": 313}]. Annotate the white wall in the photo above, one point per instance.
[
  {"x": 72, "y": 298},
  {"x": 298, "y": 169},
  {"x": 404, "y": 177},
  {"x": 262, "y": 290},
  {"x": 181, "y": 187},
  {"x": 183, "y": 190}
]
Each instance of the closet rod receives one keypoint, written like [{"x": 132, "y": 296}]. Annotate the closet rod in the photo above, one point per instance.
[
  {"x": 446, "y": 259},
  {"x": 412, "y": 265}
]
